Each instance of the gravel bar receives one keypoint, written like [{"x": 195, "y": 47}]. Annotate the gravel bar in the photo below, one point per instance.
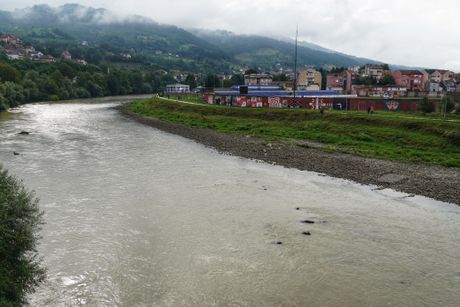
[{"x": 435, "y": 182}]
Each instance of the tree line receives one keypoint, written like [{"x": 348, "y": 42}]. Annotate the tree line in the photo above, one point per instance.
[{"x": 26, "y": 81}]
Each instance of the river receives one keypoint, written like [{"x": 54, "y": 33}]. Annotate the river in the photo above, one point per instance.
[{"x": 138, "y": 217}]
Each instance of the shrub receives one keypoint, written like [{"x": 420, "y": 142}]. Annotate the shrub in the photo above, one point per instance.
[
  {"x": 53, "y": 98},
  {"x": 20, "y": 220},
  {"x": 426, "y": 106},
  {"x": 447, "y": 104}
]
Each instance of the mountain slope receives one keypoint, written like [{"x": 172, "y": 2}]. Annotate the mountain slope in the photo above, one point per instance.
[
  {"x": 101, "y": 35},
  {"x": 260, "y": 51}
]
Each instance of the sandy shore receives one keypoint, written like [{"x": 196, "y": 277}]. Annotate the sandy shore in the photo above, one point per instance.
[{"x": 432, "y": 181}]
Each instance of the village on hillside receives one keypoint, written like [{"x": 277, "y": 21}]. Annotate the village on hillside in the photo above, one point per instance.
[
  {"x": 328, "y": 82},
  {"x": 14, "y": 49}
]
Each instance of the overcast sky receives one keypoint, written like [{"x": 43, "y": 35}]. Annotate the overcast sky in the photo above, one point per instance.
[{"x": 408, "y": 32}]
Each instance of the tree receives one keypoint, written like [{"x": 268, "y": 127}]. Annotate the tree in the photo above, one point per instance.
[
  {"x": 191, "y": 81},
  {"x": 280, "y": 77},
  {"x": 387, "y": 79},
  {"x": 366, "y": 81},
  {"x": 237, "y": 79},
  {"x": 66, "y": 70},
  {"x": 9, "y": 73},
  {"x": 212, "y": 81},
  {"x": 250, "y": 71},
  {"x": 20, "y": 221}
]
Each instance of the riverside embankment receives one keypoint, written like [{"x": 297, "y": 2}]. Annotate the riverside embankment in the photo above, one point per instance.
[{"x": 420, "y": 178}]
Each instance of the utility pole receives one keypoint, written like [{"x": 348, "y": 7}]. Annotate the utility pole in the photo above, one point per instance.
[{"x": 295, "y": 61}]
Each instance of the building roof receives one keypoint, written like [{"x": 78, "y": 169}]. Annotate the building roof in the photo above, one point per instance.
[
  {"x": 376, "y": 66},
  {"x": 431, "y": 71},
  {"x": 177, "y": 84},
  {"x": 410, "y": 72},
  {"x": 278, "y": 93}
]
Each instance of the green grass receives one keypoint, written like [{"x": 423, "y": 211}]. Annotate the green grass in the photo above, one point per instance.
[{"x": 392, "y": 136}]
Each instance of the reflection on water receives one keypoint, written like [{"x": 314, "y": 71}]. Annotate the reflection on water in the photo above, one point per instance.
[{"x": 138, "y": 217}]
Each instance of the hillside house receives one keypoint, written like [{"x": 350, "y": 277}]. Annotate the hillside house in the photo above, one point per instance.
[
  {"x": 10, "y": 39},
  {"x": 66, "y": 55},
  {"x": 47, "y": 59}
]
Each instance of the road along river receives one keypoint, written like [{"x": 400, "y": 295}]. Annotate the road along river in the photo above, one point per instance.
[{"x": 138, "y": 217}]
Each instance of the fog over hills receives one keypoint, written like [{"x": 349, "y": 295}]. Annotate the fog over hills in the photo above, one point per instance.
[{"x": 221, "y": 51}]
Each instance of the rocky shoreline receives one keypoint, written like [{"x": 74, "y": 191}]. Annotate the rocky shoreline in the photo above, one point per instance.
[{"x": 436, "y": 182}]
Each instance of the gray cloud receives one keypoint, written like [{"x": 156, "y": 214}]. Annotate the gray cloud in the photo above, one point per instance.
[{"x": 410, "y": 32}]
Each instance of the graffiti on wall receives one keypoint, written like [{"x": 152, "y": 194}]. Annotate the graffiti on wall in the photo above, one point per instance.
[
  {"x": 256, "y": 102},
  {"x": 274, "y": 102},
  {"x": 241, "y": 102},
  {"x": 392, "y": 105}
]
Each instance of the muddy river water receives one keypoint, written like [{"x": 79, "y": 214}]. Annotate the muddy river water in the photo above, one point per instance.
[{"x": 138, "y": 217}]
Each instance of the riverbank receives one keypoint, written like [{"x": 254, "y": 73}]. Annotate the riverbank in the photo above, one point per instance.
[
  {"x": 121, "y": 98},
  {"x": 436, "y": 182}
]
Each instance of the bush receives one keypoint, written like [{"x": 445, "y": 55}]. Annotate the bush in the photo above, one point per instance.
[
  {"x": 426, "y": 106},
  {"x": 53, "y": 98},
  {"x": 457, "y": 108},
  {"x": 20, "y": 220},
  {"x": 447, "y": 104}
]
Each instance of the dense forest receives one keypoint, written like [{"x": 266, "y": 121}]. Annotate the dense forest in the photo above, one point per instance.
[{"x": 27, "y": 81}]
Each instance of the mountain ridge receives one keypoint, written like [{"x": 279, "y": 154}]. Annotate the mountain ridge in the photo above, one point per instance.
[{"x": 192, "y": 49}]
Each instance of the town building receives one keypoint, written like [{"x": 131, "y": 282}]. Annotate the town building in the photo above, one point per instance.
[
  {"x": 410, "y": 79},
  {"x": 177, "y": 88},
  {"x": 438, "y": 75},
  {"x": 258, "y": 79},
  {"x": 349, "y": 78},
  {"x": 309, "y": 78},
  {"x": 335, "y": 82},
  {"x": 376, "y": 71}
]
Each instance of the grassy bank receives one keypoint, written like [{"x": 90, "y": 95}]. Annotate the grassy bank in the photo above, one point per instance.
[{"x": 408, "y": 138}]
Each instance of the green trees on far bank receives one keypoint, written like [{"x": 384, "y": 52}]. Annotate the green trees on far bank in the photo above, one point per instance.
[
  {"x": 20, "y": 220},
  {"x": 26, "y": 81}
]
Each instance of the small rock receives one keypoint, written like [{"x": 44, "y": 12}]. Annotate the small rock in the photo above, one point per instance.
[
  {"x": 306, "y": 233},
  {"x": 308, "y": 222}
]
